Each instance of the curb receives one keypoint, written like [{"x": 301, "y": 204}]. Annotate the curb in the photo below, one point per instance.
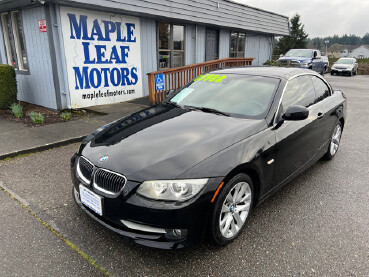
[{"x": 42, "y": 147}]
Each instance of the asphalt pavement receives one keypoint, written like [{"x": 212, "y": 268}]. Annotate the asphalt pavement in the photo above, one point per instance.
[{"x": 318, "y": 225}]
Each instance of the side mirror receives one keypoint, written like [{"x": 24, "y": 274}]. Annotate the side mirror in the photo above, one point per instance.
[
  {"x": 169, "y": 92},
  {"x": 295, "y": 113},
  {"x": 281, "y": 55}
]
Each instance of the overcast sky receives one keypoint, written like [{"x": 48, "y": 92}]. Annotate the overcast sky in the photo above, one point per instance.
[{"x": 322, "y": 17}]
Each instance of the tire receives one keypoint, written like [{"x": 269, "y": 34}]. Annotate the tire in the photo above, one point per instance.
[
  {"x": 235, "y": 219},
  {"x": 334, "y": 143},
  {"x": 351, "y": 73}
]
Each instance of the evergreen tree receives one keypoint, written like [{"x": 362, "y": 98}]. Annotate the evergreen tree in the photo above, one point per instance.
[
  {"x": 296, "y": 39},
  {"x": 365, "y": 39}
]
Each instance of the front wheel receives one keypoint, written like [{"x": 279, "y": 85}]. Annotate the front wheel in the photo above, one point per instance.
[
  {"x": 232, "y": 209},
  {"x": 334, "y": 143}
]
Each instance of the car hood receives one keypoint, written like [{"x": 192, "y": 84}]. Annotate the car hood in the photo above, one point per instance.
[
  {"x": 295, "y": 59},
  {"x": 162, "y": 142}
]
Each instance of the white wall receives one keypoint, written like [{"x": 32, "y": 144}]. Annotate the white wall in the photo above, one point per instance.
[
  {"x": 37, "y": 87},
  {"x": 360, "y": 51},
  {"x": 224, "y": 43},
  {"x": 259, "y": 47}
]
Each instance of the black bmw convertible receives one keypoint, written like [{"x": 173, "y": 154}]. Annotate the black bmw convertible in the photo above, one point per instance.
[{"x": 203, "y": 159}]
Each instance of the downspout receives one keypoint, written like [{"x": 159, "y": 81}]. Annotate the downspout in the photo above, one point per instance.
[
  {"x": 52, "y": 53},
  {"x": 195, "y": 43}
]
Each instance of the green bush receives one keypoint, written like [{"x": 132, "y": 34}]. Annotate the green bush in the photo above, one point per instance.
[
  {"x": 273, "y": 63},
  {"x": 8, "y": 86},
  {"x": 17, "y": 110},
  {"x": 66, "y": 116},
  {"x": 37, "y": 118}
]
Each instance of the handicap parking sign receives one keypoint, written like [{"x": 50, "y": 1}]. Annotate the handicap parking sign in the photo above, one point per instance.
[{"x": 159, "y": 81}]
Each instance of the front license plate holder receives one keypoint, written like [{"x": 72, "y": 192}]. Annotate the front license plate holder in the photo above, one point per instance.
[{"x": 91, "y": 200}]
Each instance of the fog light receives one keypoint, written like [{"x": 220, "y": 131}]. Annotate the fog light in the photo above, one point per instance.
[{"x": 176, "y": 234}]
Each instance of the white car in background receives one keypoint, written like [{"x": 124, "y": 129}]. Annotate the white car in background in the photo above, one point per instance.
[{"x": 345, "y": 66}]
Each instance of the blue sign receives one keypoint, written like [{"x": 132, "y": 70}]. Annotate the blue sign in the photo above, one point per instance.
[{"x": 159, "y": 81}]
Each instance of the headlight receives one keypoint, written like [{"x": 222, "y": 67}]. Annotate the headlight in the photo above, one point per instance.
[
  {"x": 304, "y": 65},
  {"x": 171, "y": 190}
]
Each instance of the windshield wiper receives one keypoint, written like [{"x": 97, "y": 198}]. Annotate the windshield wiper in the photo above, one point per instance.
[
  {"x": 171, "y": 103},
  {"x": 208, "y": 110}
]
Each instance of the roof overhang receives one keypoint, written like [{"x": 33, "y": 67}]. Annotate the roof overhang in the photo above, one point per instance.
[{"x": 224, "y": 13}]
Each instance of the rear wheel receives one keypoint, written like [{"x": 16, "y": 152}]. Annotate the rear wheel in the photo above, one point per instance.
[
  {"x": 232, "y": 209},
  {"x": 334, "y": 143}
]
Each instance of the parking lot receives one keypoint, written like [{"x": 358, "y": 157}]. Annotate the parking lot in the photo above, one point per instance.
[{"x": 318, "y": 225}]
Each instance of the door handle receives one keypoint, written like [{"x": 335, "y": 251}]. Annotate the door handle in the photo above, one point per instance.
[{"x": 320, "y": 115}]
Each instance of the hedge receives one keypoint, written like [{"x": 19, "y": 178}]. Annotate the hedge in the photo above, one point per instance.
[{"x": 8, "y": 86}]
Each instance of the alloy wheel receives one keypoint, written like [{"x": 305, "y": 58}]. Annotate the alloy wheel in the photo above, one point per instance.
[
  {"x": 335, "y": 141},
  {"x": 235, "y": 210}
]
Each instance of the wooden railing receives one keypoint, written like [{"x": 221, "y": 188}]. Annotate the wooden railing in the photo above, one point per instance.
[{"x": 176, "y": 78}]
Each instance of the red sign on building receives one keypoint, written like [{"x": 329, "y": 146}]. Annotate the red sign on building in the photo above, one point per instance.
[{"x": 42, "y": 25}]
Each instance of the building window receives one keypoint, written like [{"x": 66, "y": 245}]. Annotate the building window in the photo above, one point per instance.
[
  {"x": 13, "y": 38},
  {"x": 237, "y": 45},
  {"x": 171, "y": 45}
]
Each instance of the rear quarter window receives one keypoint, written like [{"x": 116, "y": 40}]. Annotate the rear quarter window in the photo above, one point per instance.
[{"x": 321, "y": 89}]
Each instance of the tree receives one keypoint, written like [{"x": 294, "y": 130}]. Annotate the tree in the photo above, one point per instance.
[
  {"x": 365, "y": 39},
  {"x": 296, "y": 39}
]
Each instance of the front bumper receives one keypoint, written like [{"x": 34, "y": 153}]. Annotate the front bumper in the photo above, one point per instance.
[
  {"x": 191, "y": 217},
  {"x": 342, "y": 71}
]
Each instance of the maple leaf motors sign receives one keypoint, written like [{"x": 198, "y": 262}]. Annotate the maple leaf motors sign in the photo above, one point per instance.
[{"x": 103, "y": 57}]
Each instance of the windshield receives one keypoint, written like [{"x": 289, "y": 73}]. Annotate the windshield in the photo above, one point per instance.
[
  {"x": 242, "y": 95},
  {"x": 345, "y": 61},
  {"x": 299, "y": 53}
]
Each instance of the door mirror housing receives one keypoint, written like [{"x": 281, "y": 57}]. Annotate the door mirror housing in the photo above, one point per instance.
[
  {"x": 294, "y": 113},
  {"x": 169, "y": 92},
  {"x": 281, "y": 55}
]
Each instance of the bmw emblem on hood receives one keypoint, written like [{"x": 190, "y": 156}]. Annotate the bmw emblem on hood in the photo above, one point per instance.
[{"x": 103, "y": 159}]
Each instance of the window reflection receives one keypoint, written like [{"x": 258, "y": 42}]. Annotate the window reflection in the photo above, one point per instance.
[
  {"x": 164, "y": 36},
  {"x": 237, "y": 48},
  {"x": 171, "y": 45},
  {"x": 23, "y": 65},
  {"x": 12, "y": 30},
  {"x": 300, "y": 91}
]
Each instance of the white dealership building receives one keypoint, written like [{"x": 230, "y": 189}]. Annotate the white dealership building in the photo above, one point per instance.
[{"x": 79, "y": 53}]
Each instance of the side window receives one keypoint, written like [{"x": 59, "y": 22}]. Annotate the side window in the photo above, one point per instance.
[
  {"x": 299, "y": 91},
  {"x": 321, "y": 89}
]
